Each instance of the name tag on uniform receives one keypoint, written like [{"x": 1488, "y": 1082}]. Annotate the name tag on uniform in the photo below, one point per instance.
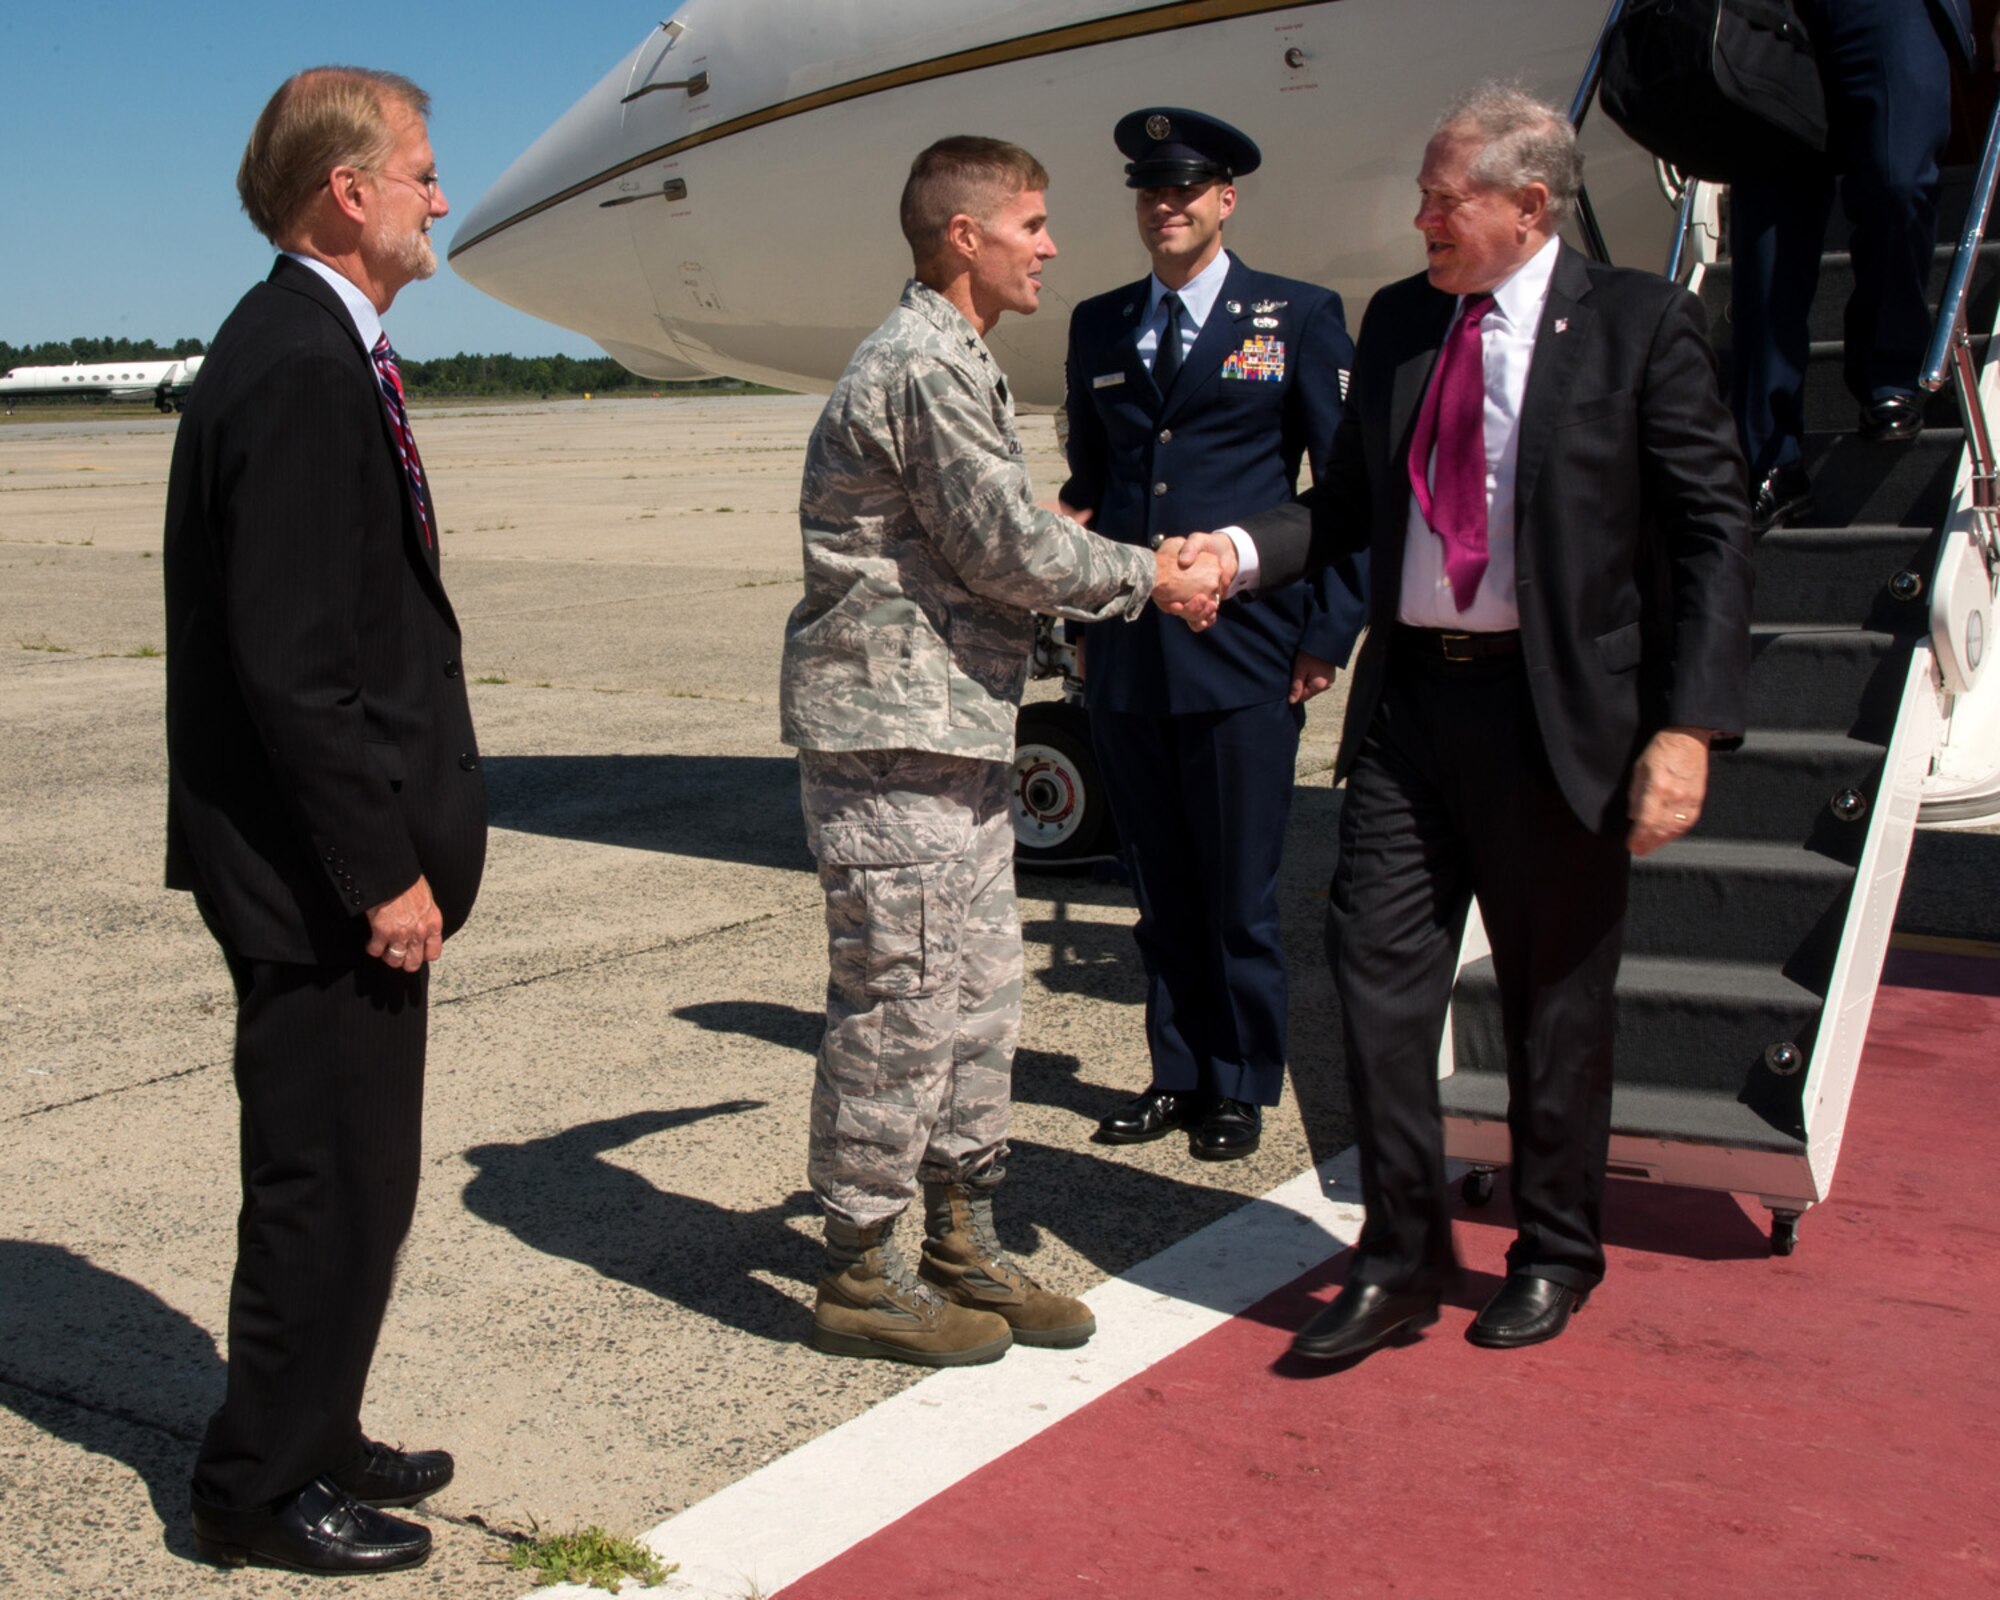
[
  {"x": 1107, "y": 380},
  {"x": 1260, "y": 360}
]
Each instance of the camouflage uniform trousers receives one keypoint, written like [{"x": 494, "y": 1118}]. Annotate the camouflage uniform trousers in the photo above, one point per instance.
[{"x": 923, "y": 995}]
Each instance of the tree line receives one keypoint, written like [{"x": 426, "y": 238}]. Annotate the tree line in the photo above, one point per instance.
[{"x": 448, "y": 377}]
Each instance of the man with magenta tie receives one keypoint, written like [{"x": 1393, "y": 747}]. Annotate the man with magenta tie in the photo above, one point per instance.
[
  {"x": 1537, "y": 457},
  {"x": 325, "y": 807}
]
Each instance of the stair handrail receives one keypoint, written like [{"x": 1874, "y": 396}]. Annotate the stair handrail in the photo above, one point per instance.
[
  {"x": 1579, "y": 108},
  {"x": 1950, "y": 357}
]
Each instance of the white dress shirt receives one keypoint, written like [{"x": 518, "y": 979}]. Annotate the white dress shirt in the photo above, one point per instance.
[
  {"x": 1198, "y": 299},
  {"x": 1506, "y": 346},
  {"x": 367, "y": 322}
]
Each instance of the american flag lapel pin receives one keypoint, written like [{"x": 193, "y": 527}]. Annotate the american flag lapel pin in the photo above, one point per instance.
[{"x": 1562, "y": 324}]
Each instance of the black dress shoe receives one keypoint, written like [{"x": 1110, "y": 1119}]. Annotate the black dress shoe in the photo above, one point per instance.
[
  {"x": 1527, "y": 1310},
  {"x": 1895, "y": 417},
  {"x": 1362, "y": 1316},
  {"x": 318, "y": 1530},
  {"x": 1786, "y": 492},
  {"x": 1153, "y": 1114},
  {"x": 384, "y": 1476},
  {"x": 1229, "y": 1132}
]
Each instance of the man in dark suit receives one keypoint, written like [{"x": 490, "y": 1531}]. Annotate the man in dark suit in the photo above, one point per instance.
[
  {"x": 1192, "y": 397},
  {"x": 1887, "y": 67},
  {"x": 1536, "y": 452},
  {"x": 325, "y": 806}
]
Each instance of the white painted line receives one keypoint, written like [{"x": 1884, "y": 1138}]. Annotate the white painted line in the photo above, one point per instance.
[{"x": 795, "y": 1515}]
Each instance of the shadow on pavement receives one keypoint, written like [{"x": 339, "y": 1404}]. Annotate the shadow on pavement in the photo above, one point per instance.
[
  {"x": 721, "y": 808},
  {"x": 561, "y": 1195},
  {"x": 103, "y": 1363}
]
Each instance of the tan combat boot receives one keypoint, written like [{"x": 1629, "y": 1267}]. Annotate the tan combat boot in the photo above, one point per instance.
[
  {"x": 871, "y": 1304},
  {"x": 962, "y": 1256}
]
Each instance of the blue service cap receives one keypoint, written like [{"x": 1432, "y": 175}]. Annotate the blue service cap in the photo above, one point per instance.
[{"x": 1170, "y": 146}]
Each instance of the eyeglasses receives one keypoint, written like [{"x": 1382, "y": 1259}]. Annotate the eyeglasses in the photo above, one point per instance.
[{"x": 428, "y": 183}]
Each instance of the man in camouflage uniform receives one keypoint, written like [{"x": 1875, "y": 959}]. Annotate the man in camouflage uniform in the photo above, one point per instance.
[{"x": 925, "y": 557}]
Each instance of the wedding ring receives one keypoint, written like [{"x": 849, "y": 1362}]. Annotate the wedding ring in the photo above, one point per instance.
[
  {"x": 1680, "y": 816},
  {"x": 395, "y": 952}
]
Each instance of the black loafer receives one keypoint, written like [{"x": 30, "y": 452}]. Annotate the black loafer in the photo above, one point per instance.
[
  {"x": 1891, "y": 419},
  {"x": 384, "y": 1476},
  {"x": 1153, "y": 1114},
  {"x": 318, "y": 1530},
  {"x": 1362, "y": 1316},
  {"x": 1527, "y": 1310},
  {"x": 1786, "y": 492},
  {"x": 1229, "y": 1132}
]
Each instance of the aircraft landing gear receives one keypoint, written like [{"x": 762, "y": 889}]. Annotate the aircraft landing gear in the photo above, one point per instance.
[
  {"x": 1476, "y": 1187},
  {"x": 1060, "y": 814},
  {"x": 1784, "y": 1232}
]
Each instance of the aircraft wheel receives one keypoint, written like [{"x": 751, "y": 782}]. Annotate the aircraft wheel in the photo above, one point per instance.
[
  {"x": 1476, "y": 1187},
  {"x": 1784, "y": 1232},
  {"x": 1060, "y": 813}
]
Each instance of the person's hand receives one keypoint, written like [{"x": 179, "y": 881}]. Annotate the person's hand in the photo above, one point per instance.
[
  {"x": 1668, "y": 786},
  {"x": 1197, "y": 556},
  {"x": 407, "y": 931},
  {"x": 1188, "y": 587},
  {"x": 1310, "y": 676},
  {"x": 1081, "y": 514}
]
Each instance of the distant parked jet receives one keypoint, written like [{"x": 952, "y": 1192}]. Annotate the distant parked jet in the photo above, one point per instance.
[{"x": 165, "y": 383}]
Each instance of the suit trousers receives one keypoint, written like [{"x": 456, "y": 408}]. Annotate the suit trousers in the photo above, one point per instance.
[
  {"x": 1887, "y": 71},
  {"x": 1201, "y": 800},
  {"x": 1451, "y": 797},
  {"x": 329, "y": 1067}
]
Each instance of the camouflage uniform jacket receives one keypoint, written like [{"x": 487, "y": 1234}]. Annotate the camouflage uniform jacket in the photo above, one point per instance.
[{"x": 925, "y": 553}]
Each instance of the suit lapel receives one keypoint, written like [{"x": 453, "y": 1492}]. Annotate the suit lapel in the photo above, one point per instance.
[
  {"x": 1217, "y": 338},
  {"x": 1125, "y": 345},
  {"x": 288, "y": 274},
  {"x": 1559, "y": 346}
]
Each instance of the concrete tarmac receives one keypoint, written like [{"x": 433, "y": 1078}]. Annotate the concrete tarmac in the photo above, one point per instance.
[{"x": 603, "y": 1303}]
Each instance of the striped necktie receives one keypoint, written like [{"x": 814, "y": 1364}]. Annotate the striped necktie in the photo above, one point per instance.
[{"x": 390, "y": 381}]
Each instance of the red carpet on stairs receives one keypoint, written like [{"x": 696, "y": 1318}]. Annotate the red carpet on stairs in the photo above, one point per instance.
[{"x": 1716, "y": 1421}]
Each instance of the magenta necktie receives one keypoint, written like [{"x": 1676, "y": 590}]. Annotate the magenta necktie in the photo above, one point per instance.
[
  {"x": 1453, "y": 419},
  {"x": 390, "y": 381}
]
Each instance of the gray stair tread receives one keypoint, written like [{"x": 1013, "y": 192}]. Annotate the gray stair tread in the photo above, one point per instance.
[
  {"x": 1647, "y": 977},
  {"x": 1825, "y": 632},
  {"x": 1749, "y": 857},
  {"x": 1799, "y": 742},
  {"x": 1639, "y": 1110}
]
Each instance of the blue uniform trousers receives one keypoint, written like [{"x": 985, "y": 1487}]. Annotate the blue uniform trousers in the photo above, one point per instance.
[
  {"x": 1202, "y": 799},
  {"x": 1887, "y": 70}
]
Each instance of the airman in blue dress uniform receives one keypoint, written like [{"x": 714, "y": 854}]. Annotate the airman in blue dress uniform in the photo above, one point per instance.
[{"x": 1193, "y": 395}]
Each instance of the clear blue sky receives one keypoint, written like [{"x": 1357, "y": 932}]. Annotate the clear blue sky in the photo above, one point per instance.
[{"x": 122, "y": 123}]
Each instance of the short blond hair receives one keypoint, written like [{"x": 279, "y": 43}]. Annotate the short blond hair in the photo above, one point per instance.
[
  {"x": 322, "y": 118},
  {"x": 963, "y": 175}
]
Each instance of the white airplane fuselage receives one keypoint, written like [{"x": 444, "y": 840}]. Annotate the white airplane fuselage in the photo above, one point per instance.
[
  {"x": 743, "y": 221},
  {"x": 162, "y": 382}
]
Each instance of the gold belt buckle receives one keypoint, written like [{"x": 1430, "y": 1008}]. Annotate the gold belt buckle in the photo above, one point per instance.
[{"x": 1452, "y": 643}]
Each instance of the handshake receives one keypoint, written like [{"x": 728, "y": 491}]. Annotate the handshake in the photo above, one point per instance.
[{"x": 1191, "y": 576}]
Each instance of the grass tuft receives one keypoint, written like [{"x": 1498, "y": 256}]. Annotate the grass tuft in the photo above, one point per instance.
[
  {"x": 491, "y": 677},
  {"x": 590, "y": 1556},
  {"x": 145, "y": 652}
]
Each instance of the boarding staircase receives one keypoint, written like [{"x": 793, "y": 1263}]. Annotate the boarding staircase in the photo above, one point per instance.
[{"x": 1754, "y": 946}]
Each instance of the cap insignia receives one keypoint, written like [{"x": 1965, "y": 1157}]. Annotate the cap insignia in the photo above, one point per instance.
[{"x": 1158, "y": 127}]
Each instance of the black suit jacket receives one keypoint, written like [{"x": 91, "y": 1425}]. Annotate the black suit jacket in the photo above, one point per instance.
[
  {"x": 1631, "y": 518},
  {"x": 319, "y": 745},
  {"x": 1259, "y": 392}
]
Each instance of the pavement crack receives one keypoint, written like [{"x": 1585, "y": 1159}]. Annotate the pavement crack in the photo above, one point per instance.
[
  {"x": 106, "y": 1094},
  {"x": 662, "y": 947},
  {"x": 66, "y": 1397}
]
